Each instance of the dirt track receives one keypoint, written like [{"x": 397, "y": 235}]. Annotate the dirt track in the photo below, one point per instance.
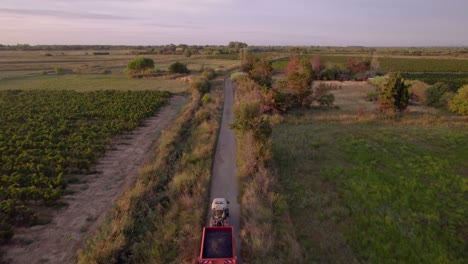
[
  {"x": 58, "y": 241},
  {"x": 224, "y": 178}
]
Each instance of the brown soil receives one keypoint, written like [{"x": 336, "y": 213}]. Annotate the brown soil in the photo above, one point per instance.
[{"x": 59, "y": 240}]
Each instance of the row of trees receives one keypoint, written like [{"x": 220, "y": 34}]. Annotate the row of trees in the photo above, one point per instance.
[{"x": 295, "y": 91}]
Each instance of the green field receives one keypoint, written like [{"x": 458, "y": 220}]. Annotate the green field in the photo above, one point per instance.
[
  {"x": 91, "y": 82},
  {"x": 361, "y": 188},
  {"x": 47, "y": 135}
]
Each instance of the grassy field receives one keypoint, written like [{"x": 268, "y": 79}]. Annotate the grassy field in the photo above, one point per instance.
[
  {"x": 27, "y": 63},
  {"x": 370, "y": 190},
  {"x": 91, "y": 82},
  {"x": 83, "y": 71}
]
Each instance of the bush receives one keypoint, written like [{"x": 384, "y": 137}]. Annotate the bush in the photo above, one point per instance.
[
  {"x": 178, "y": 67},
  {"x": 459, "y": 103},
  {"x": 379, "y": 81},
  {"x": 58, "y": 70},
  {"x": 202, "y": 85},
  {"x": 206, "y": 98},
  {"x": 417, "y": 90},
  {"x": 208, "y": 73},
  {"x": 236, "y": 76},
  {"x": 372, "y": 96},
  {"x": 435, "y": 95},
  {"x": 323, "y": 95},
  {"x": 139, "y": 65}
]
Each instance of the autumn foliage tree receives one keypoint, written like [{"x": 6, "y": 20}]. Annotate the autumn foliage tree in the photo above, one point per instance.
[
  {"x": 317, "y": 64},
  {"x": 298, "y": 83},
  {"x": 248, "y": 63},
  {"x": 358, "y": 66},
  {"x": 262, "y": 73}
]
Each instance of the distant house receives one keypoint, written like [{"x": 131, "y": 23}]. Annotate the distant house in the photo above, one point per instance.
[{"x": 179, "y": 50}]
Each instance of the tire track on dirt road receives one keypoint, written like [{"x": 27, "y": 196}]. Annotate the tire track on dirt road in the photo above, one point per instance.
[{"x": 224, "y": 182}]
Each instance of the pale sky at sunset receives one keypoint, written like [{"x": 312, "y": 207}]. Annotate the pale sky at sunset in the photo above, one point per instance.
[{"x": 256, "y": 22}]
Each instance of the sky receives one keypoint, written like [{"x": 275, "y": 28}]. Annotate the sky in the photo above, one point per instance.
[{"x": 217, "y": 22}]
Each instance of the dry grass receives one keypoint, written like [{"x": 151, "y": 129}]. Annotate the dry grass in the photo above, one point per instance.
[
  {"x": 160, "y": 219},
  {"x": 351, "y": 107},
  {"x": 265, "y": 224}
]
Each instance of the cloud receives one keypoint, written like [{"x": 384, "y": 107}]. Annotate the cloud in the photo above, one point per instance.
[
  {"x": 61, "y": 14},
  {"x": 172, "y": 26}
]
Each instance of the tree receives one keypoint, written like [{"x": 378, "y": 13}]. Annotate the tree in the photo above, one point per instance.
[
  {"x": 249, "y": 61},
  {"x": 139, "y": 65},
  {"x": 394, "y": 96},
  {"x": 262, "y": 73},
  {"x": 187, "y": 52},
  {"x": 317, "y": 64},
  {"x": 358, "y": 66},
  {"x": 178, "y": 67},
  {"x": 435, "y": 94},
  {"x": 293, "y": 65},
  {"x": 459, "y": 103}
]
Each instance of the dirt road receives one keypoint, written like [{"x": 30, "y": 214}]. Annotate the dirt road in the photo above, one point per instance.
[
  {"x": 224, "y": 178},
  {"x": 58, "y": 241}
]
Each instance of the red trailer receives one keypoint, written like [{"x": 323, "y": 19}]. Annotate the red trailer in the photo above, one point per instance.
[{"x": 218, "y": 246}]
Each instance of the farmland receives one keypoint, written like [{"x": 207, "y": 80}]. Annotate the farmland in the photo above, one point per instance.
[
  {"x": 402, "y": 64},
  {"x": 47, "y": 135},
  {"x": 361, "y": 188}
]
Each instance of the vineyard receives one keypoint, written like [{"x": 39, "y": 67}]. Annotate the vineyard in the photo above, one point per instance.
[
  {"x": 47, "y": 135},
  {"x": 393, "y": 64},
  {"x": 423, "y": 65},
  {"x": 455, "y": 80}
]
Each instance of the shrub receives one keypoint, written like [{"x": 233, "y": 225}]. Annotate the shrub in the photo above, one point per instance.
[
  {"x": 139, "y": 65},
  {"x": 323, "y": 95},
  {"x": 202, "y": 85},
  {"x": 208, "y": 73},
  {"x": 178, "y": 67},
  {"x": 379, "y": 81},
  {"x": 459, "y": 103},
  {"x": 206, "y": 98},
  {"x": 236, "y": 76},
  {"x": 58, "y": 70},
  {"x": 44, "y": 72},
  {"x": 372, "y": 96},
  {"x": 435, "y": 95},
  {"x": 417, "y": 90}
]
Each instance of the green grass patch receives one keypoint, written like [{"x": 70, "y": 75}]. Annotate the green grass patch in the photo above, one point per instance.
[{"x": 380, "y": 194}]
